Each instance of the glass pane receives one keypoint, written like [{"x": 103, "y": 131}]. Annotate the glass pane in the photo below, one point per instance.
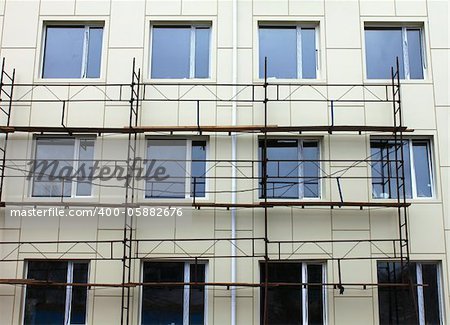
[
  {"x": 168, "y": 156},
  {"x": 198, "y": 169},
  {"x": 162, "y": 305},
  {"x": 315, "y": 295},
  {"x": 79, "y": 294},
  {"x": 171, "y": 52},
  {"x": 284, "y": 302},
  {"x": 431, "y": 294},
  {"x": 384, "y": 169},
  {"x": 415, "y": 54},
  {"x": 94, "y": 59},
  {"x": 279, "y": 45},
  {"x": 86, "y": 156},
  {"x": 63, "y": 54},
  {"x": 54, "y": 167},
  {"x": 396, "y": 306},
  {"x": 202, "y": 52},
  {"x": 383, "y": 46},
  {"x": 197, "y": 295},
  {"x": 422, "y": 167},
  {"x": 309, "y": 64},
  {"x": 282, "y": 168},
  {"x": 311, "y": 170},
  {"x": 45, "y": 305}
]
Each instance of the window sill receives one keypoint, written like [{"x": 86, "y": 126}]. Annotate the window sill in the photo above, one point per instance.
[
  {"x": 180, "y": 81},
  {"x": 291, "y": 81},
  {"x": 376, "y": 82},
  {"x": 70, "y": 81}
]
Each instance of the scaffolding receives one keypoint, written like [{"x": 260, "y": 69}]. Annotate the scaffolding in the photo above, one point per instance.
[{"x": 130, "y": 248}]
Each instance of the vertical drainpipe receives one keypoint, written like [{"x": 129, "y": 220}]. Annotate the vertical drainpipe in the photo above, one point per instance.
[{"x": 233, "y": 169}]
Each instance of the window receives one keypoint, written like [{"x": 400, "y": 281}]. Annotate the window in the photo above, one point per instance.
[
  {"x": 62, "y": 167},
  {"x": 176, "y": 305},
  {"x": 72, "y": 52},
  {"x": 183, "y": 166},
  {"x": 294, "y": 304},
  {"x": 417, "y": 166},
  {"x": 397, "y": 304},
  {"x": 291, "y": 52},
  {"x": 292, "y": 168},
  {"x": 56, "y": 304},
  {"x": 385, "y": 44},
  {"x": 180, "y": 52}
]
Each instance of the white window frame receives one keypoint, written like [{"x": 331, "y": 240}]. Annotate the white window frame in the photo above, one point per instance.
[
  {"x": 186, "y": 290},
  {"x": 68, "y": 302},
  {"x": 192, "y": 58},
  {"x": 188, "y": 175},
  {"x": 84, "y": 61},
  {"x": 76, "y": 161},
  {"x": 299, "y": 27},
  {"x": 301, "y": 185}
]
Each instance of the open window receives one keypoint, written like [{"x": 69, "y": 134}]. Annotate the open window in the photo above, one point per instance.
[
  {"x": 56, "y": 304},
  {"x": 180, "y": 305},
  {"x": 293, "y": 168},
  {"x": 72, "y": 51}
]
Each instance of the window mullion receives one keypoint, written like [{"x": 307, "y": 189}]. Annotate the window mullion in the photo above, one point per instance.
[
  {"x": 85, "y": 53},
  {"x": 192, "y": 54},
  {"x": 300, "y": 164},
  {"x": 187, "y": 278},
  {"x": 299, "y": 53},
  {"x": 412, "y": 170},
  {"x": 68, "y": 306},
  {"x": 405, "y": 53},
  {"x": 76, "y": 157},
  {"x": 305, "y": 293},
  {"x": 420, "y": 299}
]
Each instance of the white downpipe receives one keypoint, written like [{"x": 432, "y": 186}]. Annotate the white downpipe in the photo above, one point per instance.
[{"x": 233, "y": 169}]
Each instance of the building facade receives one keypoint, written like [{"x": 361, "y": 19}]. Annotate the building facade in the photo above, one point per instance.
[{"x": 225, "y": 162}]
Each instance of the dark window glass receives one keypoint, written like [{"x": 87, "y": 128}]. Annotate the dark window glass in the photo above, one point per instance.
[
  {"x": 66, "y": 49},
  {"x": 402, "y": 305},
  {"x": 166, "y": 304},
  {"x": 315, "y": 295},
  {"x": 163, "y": 305},
  {"x": 79, "y": 294},
  {"x": 396, "y": 304},
  {"x": 198, "y": 168},
  {"x": 47, "y": 305},
  {"x": 197, "y": 295},
  {"x": 284, "y": 303},
  {"x": 431, "y": 294}
]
